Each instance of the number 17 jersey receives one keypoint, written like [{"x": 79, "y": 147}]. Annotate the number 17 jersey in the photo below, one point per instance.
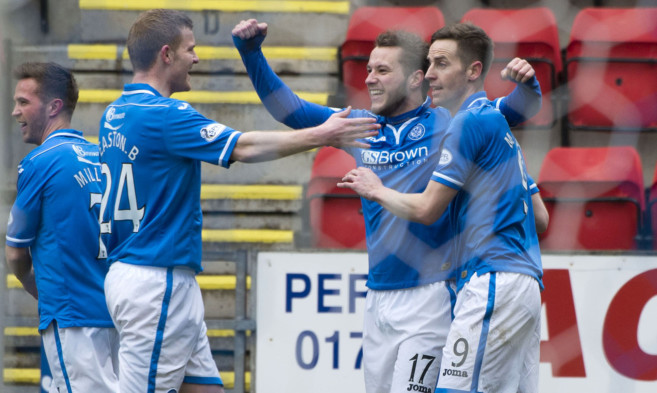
[{"x": 151, "y": 148}]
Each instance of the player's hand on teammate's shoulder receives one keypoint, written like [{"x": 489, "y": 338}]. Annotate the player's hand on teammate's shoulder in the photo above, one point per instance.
[
  {"x": 342, "y": 131},
  {"x": 518, "y": 70},
  {"x": 247, "y": 29}
]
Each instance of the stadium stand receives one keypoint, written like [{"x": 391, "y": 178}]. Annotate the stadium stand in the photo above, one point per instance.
[
  {"x": 611, "y": 69},
  {"x": 595, "y": 197},
  {"x": 365, "y": 24},
  {"x": 529, "y": 33},
  {"x": 334, "y": 215}
]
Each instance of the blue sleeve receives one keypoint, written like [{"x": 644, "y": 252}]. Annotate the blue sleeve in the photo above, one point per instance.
[
  {"x": 189, "y": 134},
  {"x": 25, "y": 214},
  {"x": 459, "y": 151},
  {"x": 522, "y": 104},
  {"x": 533, "y": 187},
  {"x": 281, "y": 102}
]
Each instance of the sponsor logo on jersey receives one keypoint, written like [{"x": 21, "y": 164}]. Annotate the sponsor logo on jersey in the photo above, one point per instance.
[
  {"x": 20, "y": 169},
  {"x": 372, "y": 157},
  {"x": 212, "y": 131},
  {"x": 109, "y": 126},
  {"x": 81, "y": 153},
  {"x": 418, "y": 388},
  {"x": 375, "y": 139},
  {"x": 183, "y": 106},
  {"x": 112, "y": 115},
  {"x": 445, "y": 157},
  {"x": 455, "y": 373},
  {"x": 416, "y": 132}
]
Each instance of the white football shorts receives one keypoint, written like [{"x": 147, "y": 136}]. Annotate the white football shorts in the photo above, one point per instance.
[
  {"x": 403, "y": 337},
  {"x": 493, "y": 343},
  {"x": 159, "y": 315},
  {"x": 82, "y": 359}
]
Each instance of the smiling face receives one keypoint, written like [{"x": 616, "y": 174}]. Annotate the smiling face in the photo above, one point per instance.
[
  {"x": 387, "y": 82},
  {"x": 447, "y": 75},
  {"x": 30, "y": 111},
  {"x": 184, "y": 58}
]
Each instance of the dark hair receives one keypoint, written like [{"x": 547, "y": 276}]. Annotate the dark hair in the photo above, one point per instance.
[
  {"x": 53, "y": 81},
  {"x": 472, "y": 42},
  {"x": 151, "y": 31},
  {"x": 414, "y": 50}
]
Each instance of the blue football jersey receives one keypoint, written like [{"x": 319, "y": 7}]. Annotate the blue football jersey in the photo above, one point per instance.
[
  {"x": 56, "y": 215},
  {"x": 151, "y": 148},
  {"x": 401, "y": 254},
  {"x": 493, "y": 210}
]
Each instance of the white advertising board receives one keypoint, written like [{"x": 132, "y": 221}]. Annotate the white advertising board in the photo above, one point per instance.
[{"x": 599, "y": 325}]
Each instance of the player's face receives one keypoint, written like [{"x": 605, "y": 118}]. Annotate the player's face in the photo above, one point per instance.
[
  {"x": 29, "y": 111},
  {"x": 387, "y": 82},
  {"x": 184, "y": 58},
  {"x": 447, "y": 75}
]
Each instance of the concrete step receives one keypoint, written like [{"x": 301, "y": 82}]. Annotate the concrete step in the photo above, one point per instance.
[
  {"x": 217, "y": 291},
  {"x": 113, "y": 58},
  {"x": 110, "y": 20},
  {"x": 32, "y": 376}
]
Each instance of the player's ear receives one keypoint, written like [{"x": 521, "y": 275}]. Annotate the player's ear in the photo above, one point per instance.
[
  {"x": 54, "y": 107},
  {"x": 166, "y": 54},
  {"x": 416, "y": 79},
  {"x": 474, "y": 70}
]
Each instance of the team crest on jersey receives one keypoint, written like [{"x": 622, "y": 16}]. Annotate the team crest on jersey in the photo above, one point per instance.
[
  {"x": 445, "y": 157},
  {"x": 416, "y": 132},
  {"x": 112, "y": 115},
  {"x": 212, "y": 131}
]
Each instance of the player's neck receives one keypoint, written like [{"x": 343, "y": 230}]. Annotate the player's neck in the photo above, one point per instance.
[
  {"x": 154, "y": 80},
  {"x": 472, "y": 89},
  {"x": 411, "y": 103},
  {"x": 53, "y": 125}
]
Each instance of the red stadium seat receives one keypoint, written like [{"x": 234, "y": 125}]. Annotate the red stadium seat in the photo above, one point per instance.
[
  {"x": 365, "y": 24},
  {"x": 611, "y": 68},
  {"x": 595, "y": 198},
  {"x": 335, "y": 214},
  {"x": 529, "y": 33}
]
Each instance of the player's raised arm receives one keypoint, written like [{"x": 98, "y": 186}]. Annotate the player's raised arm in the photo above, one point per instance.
[
  {"x": 525, "y": 100},
  {"x": 338, "y": 131},
  {"x": 281, "y": 102}
]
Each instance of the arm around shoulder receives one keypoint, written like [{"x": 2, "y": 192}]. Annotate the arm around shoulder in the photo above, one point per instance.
[{"x": 338, "y": 131}]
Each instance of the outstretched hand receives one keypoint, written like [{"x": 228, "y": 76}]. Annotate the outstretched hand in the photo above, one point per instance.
[
  {"x": 363, "y": 181},
  {"x": 518, "y": 70},
  {"x": 341, "y": 131}
]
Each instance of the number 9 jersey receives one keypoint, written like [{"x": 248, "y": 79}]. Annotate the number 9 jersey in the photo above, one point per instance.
[
  {"x": 151, "y": 148},
  {"x": 493, "y": 210}
]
